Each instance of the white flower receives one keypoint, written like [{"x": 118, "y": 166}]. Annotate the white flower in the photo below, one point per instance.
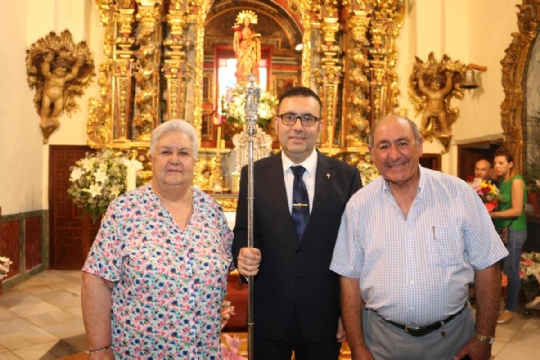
[
  {"x": 75, "y": 174},
  {"x": 94, "y": 190},
  {"x": 87, "y": 164},
  {"x": 4, "y": 266},
  {"x": 101, "y": 175},
  {"x": 115, "y": 191},
  {"x": 235, "y": 102}
]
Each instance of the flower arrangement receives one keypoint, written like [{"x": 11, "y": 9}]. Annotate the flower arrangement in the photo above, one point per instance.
[
  {"x": 530, "y": 276},
  {"x": 4, "y": 266},
  {"x": 488, "y": 192},
  {"x": 368, "y": 172},
  {"x": 235, "y": 100},
  {"x": 98, "y": 179},
  {"x": 230, "y": 351}
]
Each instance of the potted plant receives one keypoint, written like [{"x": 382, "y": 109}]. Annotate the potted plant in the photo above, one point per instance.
[
  {"x": 532, "y": 179},
  {"x": 4, "y": 269}
]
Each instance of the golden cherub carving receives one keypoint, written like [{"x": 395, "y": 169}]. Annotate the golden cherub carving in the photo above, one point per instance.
[
  {"x": 58, "y": 69},
  {"x": 432, "y": 86}
]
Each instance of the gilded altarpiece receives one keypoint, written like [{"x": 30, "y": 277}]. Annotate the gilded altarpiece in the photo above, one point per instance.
[{"x": 155, "y": 67}]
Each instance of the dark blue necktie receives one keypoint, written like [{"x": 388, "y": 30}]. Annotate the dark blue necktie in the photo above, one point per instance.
[{"x": 300, "y": 206}]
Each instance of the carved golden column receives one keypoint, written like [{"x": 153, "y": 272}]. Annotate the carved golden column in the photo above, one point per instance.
[
  {"x": 122, "y": 72},
  {"x": 330, "y": 75},
  {"x": 99, "y": 126},
  {"x": 305, "y": 8},
  {"x": 357, "y": 105},
  {"x": 147, "y": 76},
  {"x": 175, "y": 58},
  {"x": 199, "y": 11}
]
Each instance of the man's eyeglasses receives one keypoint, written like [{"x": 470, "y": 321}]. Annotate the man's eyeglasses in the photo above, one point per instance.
[{"x": 305, "y": 120}]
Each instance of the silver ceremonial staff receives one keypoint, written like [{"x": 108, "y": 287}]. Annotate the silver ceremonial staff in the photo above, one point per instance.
[{"x": 253, "y": 96}]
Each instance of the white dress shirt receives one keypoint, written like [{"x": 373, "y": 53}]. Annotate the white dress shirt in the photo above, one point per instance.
[
  {"x": 416, "y": 270},
  {"x": 310, "y": 164}
]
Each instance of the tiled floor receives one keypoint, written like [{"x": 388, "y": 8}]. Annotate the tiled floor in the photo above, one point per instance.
[{"x": 42, "y": 319}]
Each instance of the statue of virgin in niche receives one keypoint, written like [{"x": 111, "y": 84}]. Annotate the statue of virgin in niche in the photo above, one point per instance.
[{"x": 247, "y": 46}]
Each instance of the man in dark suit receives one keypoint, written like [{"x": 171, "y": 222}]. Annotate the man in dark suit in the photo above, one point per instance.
[{"x": 296, "y": 299}]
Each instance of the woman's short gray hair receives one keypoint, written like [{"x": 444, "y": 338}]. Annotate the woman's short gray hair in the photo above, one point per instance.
[{"x": 174, "y": 125}]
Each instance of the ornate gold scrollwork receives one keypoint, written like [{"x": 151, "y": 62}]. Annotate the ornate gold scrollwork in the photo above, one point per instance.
[
  {"x": 130, "y": 80},
  {"x": 99, "y": 122},
  {"x": 513, "y": 72}
]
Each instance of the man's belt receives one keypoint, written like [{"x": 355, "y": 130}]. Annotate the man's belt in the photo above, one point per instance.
[{"x": 424, "y": 330}]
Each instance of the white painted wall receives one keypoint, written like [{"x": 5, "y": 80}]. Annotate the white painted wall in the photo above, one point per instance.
[
  {"x": 472, "y": 31},
  {"x": 21, "y": 147},
  {"x": 24, "y": 159}
]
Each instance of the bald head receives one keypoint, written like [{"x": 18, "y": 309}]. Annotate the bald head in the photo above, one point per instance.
[
  {"x": 394, "y": 118},
  {"x": 481, "y": 169}
]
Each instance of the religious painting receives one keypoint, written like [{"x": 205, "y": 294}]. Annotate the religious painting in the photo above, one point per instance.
[{"x": 282, "y": 83}]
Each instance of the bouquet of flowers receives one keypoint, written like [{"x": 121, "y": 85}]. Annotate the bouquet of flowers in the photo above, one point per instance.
[
  {"x": 4, "y": 266},
  {"x": 235, "y": 100},
  {"x": 98, "y": 179},
  {"x": 488, "y": 192}
]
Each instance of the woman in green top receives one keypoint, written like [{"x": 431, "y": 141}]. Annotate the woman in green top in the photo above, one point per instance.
[{"x": 510, "y": 212}]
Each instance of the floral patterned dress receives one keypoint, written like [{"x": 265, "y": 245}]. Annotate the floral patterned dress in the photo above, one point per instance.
[{"x": 166, "y": 303}]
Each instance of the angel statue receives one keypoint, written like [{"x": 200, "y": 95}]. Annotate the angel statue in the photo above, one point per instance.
[
  {"x": 432, "y": 86},
  {"x": 59, "y": 70},
  {"x": 247, "y": 46}
]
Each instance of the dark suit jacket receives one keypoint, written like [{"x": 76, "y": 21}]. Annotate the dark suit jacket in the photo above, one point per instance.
[{"x": 294, "y": 274}]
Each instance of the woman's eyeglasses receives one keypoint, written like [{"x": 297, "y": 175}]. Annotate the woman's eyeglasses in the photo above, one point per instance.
[{"x": 305, "y": 120}]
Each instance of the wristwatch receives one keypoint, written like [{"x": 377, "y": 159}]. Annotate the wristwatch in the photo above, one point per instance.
[{"x": 487, "y": 339}]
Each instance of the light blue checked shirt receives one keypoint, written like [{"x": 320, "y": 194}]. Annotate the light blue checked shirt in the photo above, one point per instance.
[{"x": 416, "y": 271}]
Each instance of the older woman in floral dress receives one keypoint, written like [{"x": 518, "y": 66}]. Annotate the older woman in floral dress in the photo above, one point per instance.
[{"x": 156, "y": 275}]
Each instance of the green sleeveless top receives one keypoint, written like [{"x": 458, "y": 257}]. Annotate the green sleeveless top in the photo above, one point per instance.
[{"x": 519, "y": 223}]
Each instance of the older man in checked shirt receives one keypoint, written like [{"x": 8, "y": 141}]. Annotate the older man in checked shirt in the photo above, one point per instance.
[{"x": 409, "y": 245}]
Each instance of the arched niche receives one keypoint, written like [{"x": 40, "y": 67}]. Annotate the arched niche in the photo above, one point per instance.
[{"x": 280, "y": 34}]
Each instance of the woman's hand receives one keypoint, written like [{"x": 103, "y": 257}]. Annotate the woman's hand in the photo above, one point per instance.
[{"x": 226, "y": 311}]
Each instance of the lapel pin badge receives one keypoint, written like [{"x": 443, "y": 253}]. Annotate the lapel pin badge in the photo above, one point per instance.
[{"x": 328, "y": 176}]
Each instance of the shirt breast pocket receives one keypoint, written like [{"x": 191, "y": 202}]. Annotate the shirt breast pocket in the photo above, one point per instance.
[{"x": 447, "y": 246}]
